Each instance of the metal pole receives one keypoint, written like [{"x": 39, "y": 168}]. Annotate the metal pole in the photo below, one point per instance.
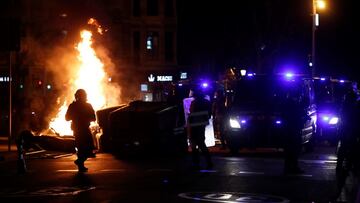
[
  {"x": 313, "y": 43},
  {"x": 10, "y": 102}
]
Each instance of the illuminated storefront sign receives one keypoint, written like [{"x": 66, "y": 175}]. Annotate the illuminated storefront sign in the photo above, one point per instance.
[
  {"x": 183, "y": 75},
  {"x": 4, "y": 79},
  {"x": 160, "y": 78},
  {"x": 151, "y": 78},
  {"x": 164, "y": 78}
]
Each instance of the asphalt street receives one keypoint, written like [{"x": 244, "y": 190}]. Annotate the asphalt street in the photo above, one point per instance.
[{"x": 251, "y": 176}]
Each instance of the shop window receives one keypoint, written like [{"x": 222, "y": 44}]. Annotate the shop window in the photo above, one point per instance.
[{"x": 152, "y": 45}]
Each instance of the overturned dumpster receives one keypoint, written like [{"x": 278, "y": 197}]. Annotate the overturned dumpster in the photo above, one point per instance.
[
  {"x": 146, "y": 128},
  {"x": 102, "y": 117}
]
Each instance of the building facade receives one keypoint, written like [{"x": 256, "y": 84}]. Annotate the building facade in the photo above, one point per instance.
[{"x": 140, "y": 36}]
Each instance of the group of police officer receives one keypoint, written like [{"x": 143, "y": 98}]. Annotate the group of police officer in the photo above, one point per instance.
[
  {"x": 348, "y": 159},
  {"x": 196, "y": 133}
]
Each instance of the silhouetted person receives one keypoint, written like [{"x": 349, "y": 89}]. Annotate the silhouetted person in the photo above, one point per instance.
[
  {"x": 81, "y": 114},
  {"x": 24, "y": 142},
  {"x": 200, "y": 112},
  {"x": 294, "y": 114},
  {"x": 172, "y": 98},
  {"x": 218, "y": 112},
  {"x": 349, "y": 148}
]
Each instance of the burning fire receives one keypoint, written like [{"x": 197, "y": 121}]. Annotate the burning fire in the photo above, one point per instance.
[{"x": 89, "y": 76}]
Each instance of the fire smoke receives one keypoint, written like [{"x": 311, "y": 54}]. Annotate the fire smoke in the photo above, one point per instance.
[{"x": 87, "y": 71}]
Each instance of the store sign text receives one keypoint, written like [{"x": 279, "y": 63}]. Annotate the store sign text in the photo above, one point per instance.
[{"x": 160, "y": 78}]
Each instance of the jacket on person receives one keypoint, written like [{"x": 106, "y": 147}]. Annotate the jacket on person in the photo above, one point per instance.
[
  {"x": 80, "y": 114},
  {"x": 200, "y": 112}
]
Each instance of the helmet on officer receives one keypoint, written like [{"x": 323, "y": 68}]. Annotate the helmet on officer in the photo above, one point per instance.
[{"x": 80, "y": 95}]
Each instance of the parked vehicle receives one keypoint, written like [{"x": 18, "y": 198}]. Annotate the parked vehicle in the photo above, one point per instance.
[
  {"x": 146, "y": 128},
  {"x": 255, "y": 110},
  {"x": 329, "y": 97}
]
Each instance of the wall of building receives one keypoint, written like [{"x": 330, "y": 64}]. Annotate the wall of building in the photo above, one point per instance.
[{"x": 140, "y": 38}]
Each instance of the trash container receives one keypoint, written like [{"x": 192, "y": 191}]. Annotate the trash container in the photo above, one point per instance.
[
  {"x": 143, "y": 128},
  {"x": 102, "y": 117}
]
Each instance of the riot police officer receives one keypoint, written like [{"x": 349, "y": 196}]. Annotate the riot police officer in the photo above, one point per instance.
[
  {"x": 200, "y": 112},
  {"x": 293, "y": 112},
  {"x": 81, "y": 113},
  {"x": 349, "y": 147},
  {"x": 218, "y": 112}
]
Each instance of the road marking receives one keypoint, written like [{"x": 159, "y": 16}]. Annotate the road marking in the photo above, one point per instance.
[
  {"x": 67, "y": 170},
  {"x": 330, "y": 162},
  {"x": 35, "y": 152},
  {"x": 113, "y": 170},
  {"x": 317, "y": 161},
  {"x": 63, "y": 155},
  {"x": 47, "y": 191},
  {"x": 103, "y": 170},
  {"x": 234, "y": 159},
  {"x": 251, "y": 172},
  {"x": 231, "y": 197}
]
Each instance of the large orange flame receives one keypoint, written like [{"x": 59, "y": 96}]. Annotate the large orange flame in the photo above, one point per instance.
[{"x": 91, "y": 77}]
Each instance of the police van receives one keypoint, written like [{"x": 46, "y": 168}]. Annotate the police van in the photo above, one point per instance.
[
  {"x": 256, "y": 107},
  {"x": 330, "y": 94}
]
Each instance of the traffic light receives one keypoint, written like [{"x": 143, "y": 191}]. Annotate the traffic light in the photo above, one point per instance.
[{"x": 37, "y": 83}]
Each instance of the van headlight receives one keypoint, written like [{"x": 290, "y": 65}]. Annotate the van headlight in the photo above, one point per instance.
[
  {"x": 334, "y": 120},
  {"x": 235, "y": 123},
  {"x": 330, "y": 119},
  {"x": 278, "y": 122}
]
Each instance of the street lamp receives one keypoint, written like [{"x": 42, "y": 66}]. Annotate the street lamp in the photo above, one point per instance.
[{"x": 316, "y": 4}]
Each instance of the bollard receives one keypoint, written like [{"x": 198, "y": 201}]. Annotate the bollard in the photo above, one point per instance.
[
  {"x": 23, "y": 143},
  {"x": 21, "y": 165}
]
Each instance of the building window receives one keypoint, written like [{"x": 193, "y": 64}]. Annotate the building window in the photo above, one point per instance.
[
  {"x": 169, "y": 8},
  {"x": 169, "y": 46},
  {"x": 136, "y": 7},
  {"x": 152, "y": 45},
  {"x": 152, "y": 8},
  {"x": 136, "y": 46},
  {"x": 149, "y": 42}
]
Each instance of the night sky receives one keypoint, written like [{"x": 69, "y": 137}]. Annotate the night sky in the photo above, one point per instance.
[
  {"x": 269, "y": 33},
  {"x": 264, "y": 34}
]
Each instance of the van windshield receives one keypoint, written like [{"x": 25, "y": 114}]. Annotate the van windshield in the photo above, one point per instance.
[
  {"x": 268, "y": 93},
  {"x": 331, "y": 92}
]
